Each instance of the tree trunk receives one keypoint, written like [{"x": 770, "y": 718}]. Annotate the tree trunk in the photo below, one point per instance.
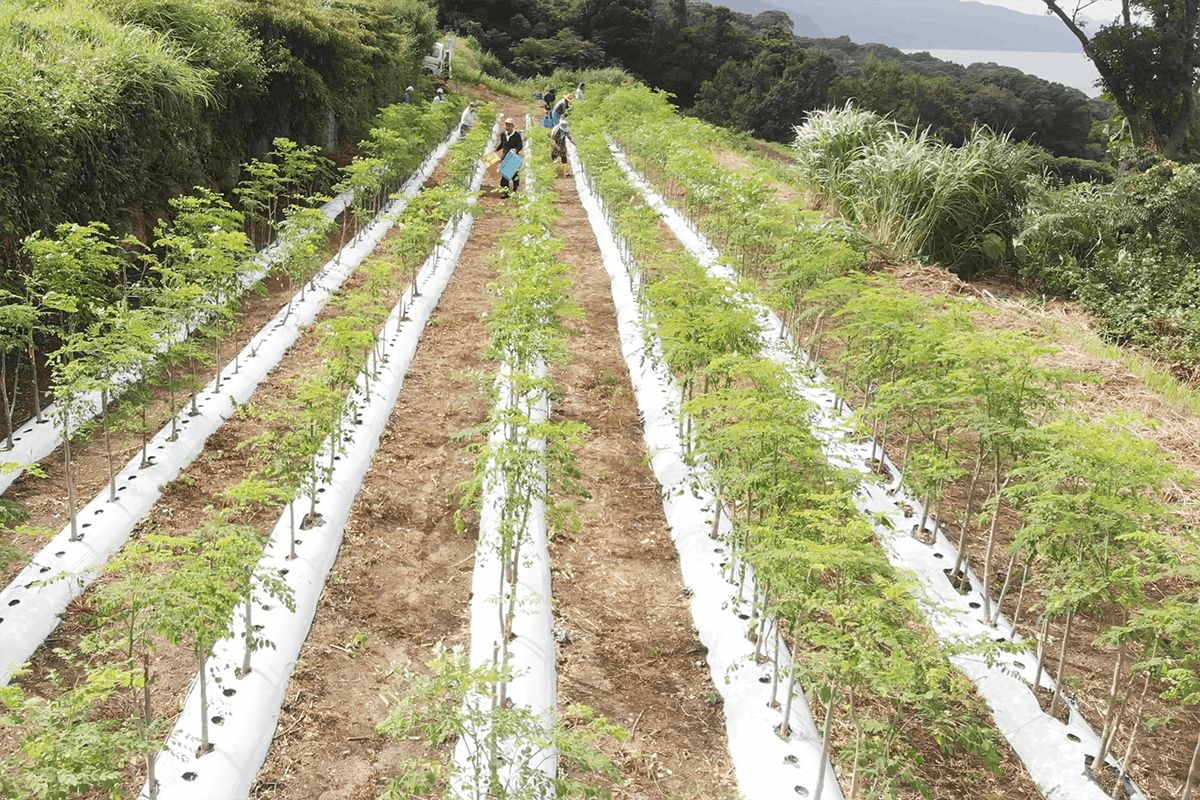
[
  {"x": 775, "y": 671},
  {"x": 785, "y": 729},
  {"x": 958, "y": 570},
  {"x": 292, "y": 528},
  {"x": 823, "y": 764},
  {"x": 1191, "y": 778},
  {"x": 217, "y": 362},
  {"x": 1119, "y": 788},
  {"x": 991, "y": 544},
  {"x": 1021, "y": 595},
  {"x": 1041, "y": 653},
  {"x": 145, "y": 438},
  {"x": 249, "y": 636},
  {"x": 1062, "y": 660},
  {"x": 995, "y": 618},
  {"x": 147, "y": 717},
  {"x": 205, "y": 747},
  {"x": 37, "y": 391},
  {"x": 108, "y": 451},
  {"x": 8, "y": 406},
  {"x": 716, "y": 523},
  {"x": 1110, "y": 714},
  {"x": 69, "y": 469}
]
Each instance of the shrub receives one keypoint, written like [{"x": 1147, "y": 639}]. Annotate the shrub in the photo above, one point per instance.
[{"x": 112, "y": 108}]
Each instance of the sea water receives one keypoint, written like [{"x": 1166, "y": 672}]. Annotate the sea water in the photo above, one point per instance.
[{"x": 1069, "y": 69}]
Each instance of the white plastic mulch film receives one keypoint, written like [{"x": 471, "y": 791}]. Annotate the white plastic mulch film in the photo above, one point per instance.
[{"x": 768, "y": 767}]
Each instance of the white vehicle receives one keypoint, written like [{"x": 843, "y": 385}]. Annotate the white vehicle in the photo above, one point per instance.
[{"x": 438, "y": 62}]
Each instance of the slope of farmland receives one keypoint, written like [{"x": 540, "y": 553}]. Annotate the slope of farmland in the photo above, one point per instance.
[
  {"x": 626, "y": 646},
  {"x": 1114, "y": 382}
]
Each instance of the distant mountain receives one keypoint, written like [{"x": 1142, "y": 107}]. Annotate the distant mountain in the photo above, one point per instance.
[{"x": 920, "y": 24}]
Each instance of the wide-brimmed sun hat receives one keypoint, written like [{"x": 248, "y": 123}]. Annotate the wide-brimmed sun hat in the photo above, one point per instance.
[{"x": 509, "y": 121}]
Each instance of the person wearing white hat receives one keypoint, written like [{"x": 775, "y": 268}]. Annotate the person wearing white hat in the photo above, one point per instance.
[
  {"x": 440, "y": 97},
  {"x": 510, "y": 142},
  {"x": 468, "y": 118},
  {"x": 560, "y": 134},
  {"x": 407, "y": 96}
]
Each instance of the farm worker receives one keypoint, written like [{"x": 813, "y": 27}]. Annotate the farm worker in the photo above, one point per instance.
[
  {"x": 579, "y": 93},
  {"x": 407, "y": 96},
  {"x": 561, "y": 108},
  {"x": 469, "y": 116},
  {"x": 560, "y": 134},
  {"x": 548, "y": 99},
  {"x": 440, "y": 97},
  {"x": 510, "y": 142}
]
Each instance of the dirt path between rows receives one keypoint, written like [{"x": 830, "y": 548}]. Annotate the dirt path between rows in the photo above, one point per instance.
[
  {"x": 631, "y": 652},
  {"x": 402, "y": 579}
]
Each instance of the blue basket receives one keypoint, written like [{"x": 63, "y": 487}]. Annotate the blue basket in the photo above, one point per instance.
[{"x": 509, "y": 166}]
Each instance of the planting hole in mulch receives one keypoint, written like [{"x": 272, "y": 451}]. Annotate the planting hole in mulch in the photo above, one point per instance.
[
  {"x": 1045, "y": 697},
  {"x": 878, "y": 467},
  {"x": 1106, "y": 778},
  {"x": 959, "y": 580},
  {"x": 923, "y": 534}
]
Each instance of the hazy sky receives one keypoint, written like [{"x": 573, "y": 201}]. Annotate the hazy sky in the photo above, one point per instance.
[{"x": 1103, "y": 10}]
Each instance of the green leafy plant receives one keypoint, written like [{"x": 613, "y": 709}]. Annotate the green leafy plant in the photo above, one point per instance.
[{"x": 449, "y": 704}]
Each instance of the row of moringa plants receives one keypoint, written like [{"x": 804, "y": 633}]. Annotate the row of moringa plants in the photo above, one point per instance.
[
  {"x": 1049, "y": 749},
  {"x": 976, "y": 409},
  {"x": 764, "y": 762},
  {"x": 141, "y": 301},
  {"x": 133, "y": 320},
  {"x": 501, "y": 699},
  {"x": 186, "y": 591},
  {"x": 35, "y": 598},
  {"x": 810, "y": 573},
  {"x": 367, "y": 350}
]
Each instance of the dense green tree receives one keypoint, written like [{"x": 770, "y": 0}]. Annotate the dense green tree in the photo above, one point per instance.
[
  {"x": 774, "y": 18},
  {"x": 563, "y": 49},
  {"x": 1149, "y": 60},
  {"x": 909, "y": 99},
  {"x": 770, "y": 94},
  {"x": 1054, "y": 116},
  {"x": 627, "y": 30},
  {"x": 498, "y": 25},
  {"x": 712, "y": 38}
]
